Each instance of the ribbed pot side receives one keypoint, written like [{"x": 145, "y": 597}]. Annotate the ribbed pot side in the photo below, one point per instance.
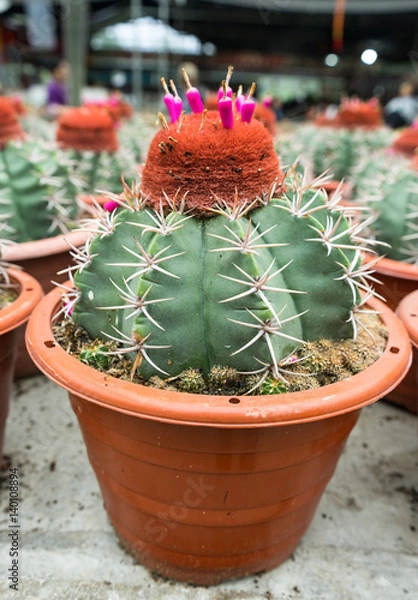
[
  {"x": 11, "y": 319},
  {"x": 399, "y": 280},
  {"x": 406, "y": 393},
  {"x": 204, "y": 504},
  {"x": 207, "y": 488}
]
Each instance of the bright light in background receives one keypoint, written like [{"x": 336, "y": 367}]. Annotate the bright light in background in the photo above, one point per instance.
[
  {"x": 369, "y": 56},
  {"x": 331, "y": 60},
  {"x": 5, "y": 5},
  {"x": 150, "y": 35}
]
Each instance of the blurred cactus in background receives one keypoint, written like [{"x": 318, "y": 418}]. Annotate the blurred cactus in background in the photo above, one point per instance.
[
  {"x": 387, "y": 186},
  {"x": 338, "y": 151},
  {"x": 89, "y": 135},
  {"x": 37, "y": 186}
]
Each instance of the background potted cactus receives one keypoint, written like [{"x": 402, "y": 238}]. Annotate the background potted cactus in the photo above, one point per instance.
[
  {"x": 340, "y": 151},
  {"x": 387, "y": 186},
  {"x": 215, "y": 272},
  {"x": 38, "y": 208},
  {"x": 406, "y": 142},
  {"x": 19, "y": 294},
  {"x": 89, "y": 137},
  {"x": 407, "y": 310},
  {"x": 354, "y": 113}
]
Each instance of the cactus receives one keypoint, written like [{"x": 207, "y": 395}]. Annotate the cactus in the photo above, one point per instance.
[
  {"x": 337, "y": 150},
  {"x": 388, "y": 188},
  {"x": 37, "y": 191},
  {"x": 10, "y": 128},
  {"x": 88, "y": 134},
  {"x": 354, "y": 114},
  {"x": 397, "y": 220},
  {"x": 406, "y": 142},
  {"x": 211, "y": 262}
]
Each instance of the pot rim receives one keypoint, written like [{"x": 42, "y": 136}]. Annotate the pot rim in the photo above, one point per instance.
[
  {"x": 19, "y": 311},
  {"x": 46, "y": 246},
  {"x": 395, "y": 268},
  {"x": 407, "y": 311},
  {"x": 217, "y": 411}
]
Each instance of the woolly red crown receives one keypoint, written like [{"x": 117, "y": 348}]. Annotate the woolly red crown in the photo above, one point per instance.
[
  {"x": 10, "y": 128},
  {"x": 407, "y": 141},
  {"x": 363, "y": 115},
  {"x": 352, "y": 114},
  {"x": 210, "y": 164},
  {"x": 87, "y": 128}
]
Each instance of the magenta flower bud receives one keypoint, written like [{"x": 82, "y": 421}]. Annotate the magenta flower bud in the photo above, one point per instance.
[
  {"x": 193, "y": 96},
  {"x": 226, "y": 112},
  {"x": 247, "y": 110},
  {"x": 195, "y": 100},
  {"x": 110, "y": 205},
  {"x": 225, "y": 90},
  {"x": 248, "y": 106},
  {"x": 239, "y": 102},
  {"x": 221, "y": 93},
  {"x": 177, "y": 107},
  {"x": 169, "y": 102}
]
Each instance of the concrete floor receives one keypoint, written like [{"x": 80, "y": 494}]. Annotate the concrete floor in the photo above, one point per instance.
[{"x": 363, "y": 543}]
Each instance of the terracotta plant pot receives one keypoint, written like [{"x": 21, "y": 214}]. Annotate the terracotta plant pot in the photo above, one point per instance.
[
  {"x": 407, "y": 390},
  {"x": 11, "y": 318},
  {"x": 398, "y": 278},
  {"x": 208, "y": 488},
  {"x": 42, "y": 259}
]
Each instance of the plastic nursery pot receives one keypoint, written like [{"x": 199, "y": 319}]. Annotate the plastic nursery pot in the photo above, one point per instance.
[
  {"x": 398, "y": 278},
  {"x": 406, "y": 394},
  {"x": 42, "y": 259},
  {"x": 11, "y": 318},
  {"x": 207, "y": 488}
]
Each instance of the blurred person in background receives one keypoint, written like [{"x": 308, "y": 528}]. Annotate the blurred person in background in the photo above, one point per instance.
[
  {"x": 57, "y": 90},
  {"x": 402, "y": 110}
]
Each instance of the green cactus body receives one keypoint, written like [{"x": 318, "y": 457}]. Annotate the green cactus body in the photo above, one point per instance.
[
  {"x": 102, "y": 171},
  {"x": 388, "y": 188},
  {"x": 338, "y": 151},
  {"x": 37, "y": 194},
  {"x": 236, "y": 290},
  {"x": 397, "y": 218}
]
